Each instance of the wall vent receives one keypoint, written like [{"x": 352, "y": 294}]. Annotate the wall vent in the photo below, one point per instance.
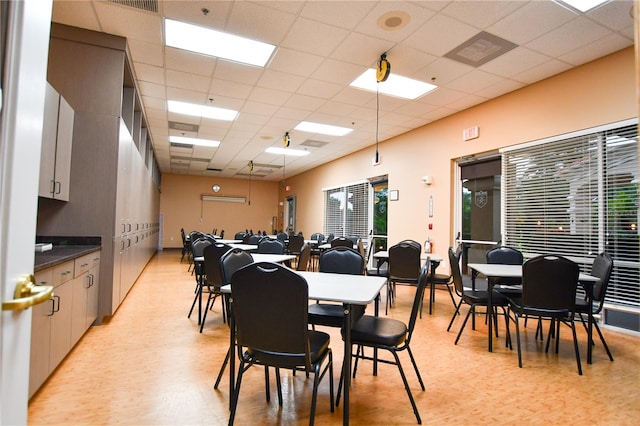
[{"x": 148, "y": 5}]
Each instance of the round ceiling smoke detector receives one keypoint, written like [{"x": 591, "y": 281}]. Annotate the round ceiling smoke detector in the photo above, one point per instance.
[{"x": 393, "y": 20}]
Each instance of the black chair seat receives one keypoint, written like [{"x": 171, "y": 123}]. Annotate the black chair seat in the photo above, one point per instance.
[
  {"x": 318, "y": 347},
  {"x": 332, "y": 315},
  {"x": 481, "y": 297},
  {"x": 375, "y": 331},
  {"x": 440, "y": 279}
]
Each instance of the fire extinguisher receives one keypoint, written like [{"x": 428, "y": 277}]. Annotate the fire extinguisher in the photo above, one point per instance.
[{"x": 428, "y": 245}]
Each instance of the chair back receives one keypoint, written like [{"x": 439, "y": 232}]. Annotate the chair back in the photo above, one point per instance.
[
  {"x": 303, "y": 259},
  {"x": 270, "y": 303},
  {"x": 254, "y": 239},
  {"x": 456, "y": 275},
  {"x": 231, "y": 261},
  {"x": 198, "y": 246},
  {"x": 341, "y": 260},
  {"x": 295, "y": 243},
  {"x": 341, "y": 242},
  {"x": 550, "y": 283},
  {"x": 505, "y": 256},
  {"x": 417, "y": 300},
  {"x": 212, "y": 255},
  {"x": 601, "y": 268},
  {"x": 239, "y": 236},
  {"x": 271, "y": 246},
  {"x": 317, "y": 237},
  {"x": 404, "y": 262},
  {"x": 330, "y": 238},
  {"x": 184, "y": 236},
  {"x": 413, "y": 243},
  {"x": 282, "y": 236}
]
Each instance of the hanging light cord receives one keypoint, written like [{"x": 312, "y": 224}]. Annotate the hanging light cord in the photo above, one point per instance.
[{"x": 377, "y": 117}]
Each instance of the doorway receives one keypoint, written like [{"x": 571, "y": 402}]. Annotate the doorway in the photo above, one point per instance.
[
  {"x": 480, "y": 212},
  {"x": 290, "y": 215}
]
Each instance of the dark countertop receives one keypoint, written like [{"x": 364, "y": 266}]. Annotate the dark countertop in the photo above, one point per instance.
[{"x": 69, "y": 249}]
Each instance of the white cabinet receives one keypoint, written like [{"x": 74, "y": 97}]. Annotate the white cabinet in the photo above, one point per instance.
[
  {"x": 57, "y": 325},
  {"x": 85, "y": 295},
  {"x": 57, "y": 136}
]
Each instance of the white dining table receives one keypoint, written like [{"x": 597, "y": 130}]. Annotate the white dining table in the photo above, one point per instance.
[
  {"x": 262, "y": 257},
  {"x": 495, "y": 270},
  {"x": 342, "y": 288}
]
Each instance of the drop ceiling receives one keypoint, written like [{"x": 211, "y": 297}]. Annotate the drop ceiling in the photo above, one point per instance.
[{"x": 321, "y": 47}]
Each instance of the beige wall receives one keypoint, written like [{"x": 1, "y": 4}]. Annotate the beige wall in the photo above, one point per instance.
[
  {"x": 181, "y": 206},
  {"x": 600, "y": 92}
]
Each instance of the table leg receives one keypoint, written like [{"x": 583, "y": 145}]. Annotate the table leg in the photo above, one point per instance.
[
  {"x": 490, "y": 311},
  {"x": 346, "y": 368}
]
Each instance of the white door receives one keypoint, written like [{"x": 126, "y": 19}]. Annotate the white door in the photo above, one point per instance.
[{"x": 25, "y": 45}]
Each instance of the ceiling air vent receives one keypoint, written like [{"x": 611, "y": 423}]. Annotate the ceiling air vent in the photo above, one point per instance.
[
  {"x": 148, "y": 5},
  {"x": 185, "y": 127},
  {"x": 480, "y": 49},
  {"x": 314, "y": 143},
  {"x": 181, "y": 145},
  {"x": 211, "y": 169}
]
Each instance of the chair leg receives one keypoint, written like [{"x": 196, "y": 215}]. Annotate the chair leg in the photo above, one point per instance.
[
  {"x": 279, "y": 386},
  {"x": 234, "y": 402},
  {"x": 406, "y": 386},
  {"x": 466, "y": 318},
  {"x": 454, "y": 315},
  {"x": 415, "y": 367},
  {"x": 518, "y": 340},
  {"x": 224, "y": 365},
  {"x": 604, "y": 343},
  {"x": 575, "y": 345}
]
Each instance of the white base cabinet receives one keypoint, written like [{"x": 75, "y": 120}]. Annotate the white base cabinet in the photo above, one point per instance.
[{"x": 58, "y": 324}]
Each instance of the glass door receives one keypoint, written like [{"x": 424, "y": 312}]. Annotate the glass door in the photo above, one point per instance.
[{"x": 480, "y": 213}]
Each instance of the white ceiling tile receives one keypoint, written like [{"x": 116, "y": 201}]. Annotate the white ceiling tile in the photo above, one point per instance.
[
  {"x": 444, "y": 71},
  {"x": 294, "y": 62},
  {"x": 190, "y": 62},
  {"x": 343, "y": 14},
  {"x": 314, "y": 37},
  {"x": 147, "y": 53},
  {"x": 596, "y": 49},
  {"x": 269, "y": 96},
  {"x": 429, "y": 38},
  {"x": 514, "y": 62},
  {"x": 149, "y": 73},
  {"x": 361, "y": 49},
  {"x": 77, "y": 14},
  {"x": 319, "y": 89},
  {"x": 191, "y": 12},
  {"x": 184, "y": 95},
  {"x": 183, "y": 80},
  {"x": 256, "y": 21},
  {"x": 152, "y": 90},
  {"x": 129, "y": 22},
  {"x": 532, "y": 20},
  {"x": 279, "y": 81},
  {"x": 481, "y": 14},
  {"x": 304, "y": 103},
  {"x": 233, "y": 71},
  {"x": 500, "y": 88},
  {"x": 230, "y": 89},
  {"x": 412, "y": 15},
  {"x": 614, "y": 14},
  {"x": 156, "y": 103},
  {"x": 542, "y": 71},
  {"x": 572, "y": 35}
]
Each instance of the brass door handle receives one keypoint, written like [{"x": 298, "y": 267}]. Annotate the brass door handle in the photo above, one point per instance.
[{"x": 27, "y": 294}]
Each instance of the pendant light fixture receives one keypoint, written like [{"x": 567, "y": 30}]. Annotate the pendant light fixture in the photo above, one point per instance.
[
  {"x": 382, "y": 73},
  {"x": 286, "y": 141}
]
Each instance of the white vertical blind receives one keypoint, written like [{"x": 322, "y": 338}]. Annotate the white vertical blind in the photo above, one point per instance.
[
  {"x": 577, "y": 196},
  {"x": 346, "y": 210}
]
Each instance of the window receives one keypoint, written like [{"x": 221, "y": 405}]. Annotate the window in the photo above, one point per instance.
[
  {"x": 577, "y": 195},
  {"x": 346, "y": 210}
]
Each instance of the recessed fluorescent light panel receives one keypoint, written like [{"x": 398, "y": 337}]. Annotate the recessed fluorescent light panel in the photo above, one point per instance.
[
  {"x": 194, "y": 141},
  {"x": 395, "y": 85},
  {"x": 287, "y": 151},
  {"x": 324, "y": 129},
  {"x": 216, "y": 43},
  {"x": 583, "y": 5},
  {"x": 201, "y": 111}
]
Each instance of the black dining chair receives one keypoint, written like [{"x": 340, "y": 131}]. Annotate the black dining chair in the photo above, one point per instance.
[
  {"x": 272, "y": 328},
  {"x": 601, "y": 268},
  {"x": 212, "y": 279},
  {"x": 549, "y": 285},
  {"x": 271, "y": 246},
  {"x": 230, "y": 262},
  {"x": 337, "y": 260},
  {"x": 391, "y": 335},
  {"x": 404, "y": 267},
  {"x": 474, "y": 298}
]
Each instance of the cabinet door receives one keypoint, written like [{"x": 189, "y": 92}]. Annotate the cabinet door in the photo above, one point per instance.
[
  {"x": 63, "y": 150},
  {"x": 49, "y": 136},
  {"x": 40, "y": 336},
  {"x": 80, "y": 286},
  {"x": 92, "y": 297},
  {"x": 61, "y": 323}
]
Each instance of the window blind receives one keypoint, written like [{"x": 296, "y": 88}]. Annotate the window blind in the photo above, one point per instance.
[
  {"x": 346, "y": 210},
  {"x": 576, "y": 196}
]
